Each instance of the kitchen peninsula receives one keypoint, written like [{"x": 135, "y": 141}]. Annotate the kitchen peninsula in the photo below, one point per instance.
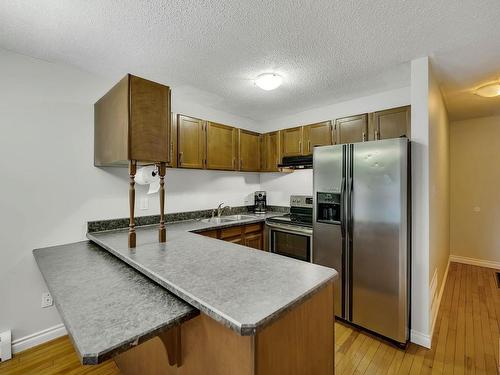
[{"x": 231, "y": 309}]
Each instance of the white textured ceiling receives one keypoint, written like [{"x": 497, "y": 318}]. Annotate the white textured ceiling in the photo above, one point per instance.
[{"x": 326, "y": 50}]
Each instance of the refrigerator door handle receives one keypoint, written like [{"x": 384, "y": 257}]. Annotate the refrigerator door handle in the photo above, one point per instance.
[
  {"x": 342, "y": 208},
  {"x": 350, "y": 216}
]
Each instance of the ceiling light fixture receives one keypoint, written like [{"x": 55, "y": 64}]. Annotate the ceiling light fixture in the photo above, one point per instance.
[
  {"x": 489, "y": 90},
  {"x": 269, "y": 81}
]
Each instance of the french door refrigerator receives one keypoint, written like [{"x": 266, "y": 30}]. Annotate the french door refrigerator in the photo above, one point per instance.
[{"x": 360, "y": 228}]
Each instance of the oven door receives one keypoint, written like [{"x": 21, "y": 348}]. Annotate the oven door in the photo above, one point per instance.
[{"x": 290, "y": 240}]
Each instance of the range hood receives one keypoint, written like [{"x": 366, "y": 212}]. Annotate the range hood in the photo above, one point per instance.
[{"x": 297, "y": 162}]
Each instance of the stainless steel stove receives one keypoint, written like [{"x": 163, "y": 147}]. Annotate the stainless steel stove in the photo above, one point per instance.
[{"x": 291, "y": 234}]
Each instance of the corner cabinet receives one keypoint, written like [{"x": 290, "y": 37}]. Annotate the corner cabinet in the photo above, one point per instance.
[
  {"x": 221, "y": 146},
  {"x": 249, "y": 151},
  {"x": 190, "y": 142},
  {"x": 351, "y": 129},
  {"x": 391, "y": 123},
  {"x": 132, "y": 122},
  {"x": 270, "y": 151}
]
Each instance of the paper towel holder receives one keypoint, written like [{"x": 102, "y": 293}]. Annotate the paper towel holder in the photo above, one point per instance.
[{"x": 162, "y": 231}]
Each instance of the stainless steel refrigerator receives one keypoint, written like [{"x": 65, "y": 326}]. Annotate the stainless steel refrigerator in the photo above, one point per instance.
[{"x": 361, "y": 228}]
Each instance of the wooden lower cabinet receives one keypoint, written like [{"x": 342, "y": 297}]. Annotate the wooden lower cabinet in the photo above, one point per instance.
[
  {"x": 251, "y": 235},
  {"x": 300, "y": 342}
]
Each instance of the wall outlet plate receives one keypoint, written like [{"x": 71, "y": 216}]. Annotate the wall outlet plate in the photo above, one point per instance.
[
  {"x": 47, "y": 300},
  {"x": 144, "y": 203}
]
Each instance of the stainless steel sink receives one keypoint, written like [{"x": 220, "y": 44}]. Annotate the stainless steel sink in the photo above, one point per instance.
[
  {"x": 217, "y": 220},
  {"x": 239, "y": 217},
  {"x": 226, "y": 219}
]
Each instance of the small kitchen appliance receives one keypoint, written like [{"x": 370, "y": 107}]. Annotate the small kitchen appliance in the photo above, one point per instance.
[{"x": 260, "y": 203}]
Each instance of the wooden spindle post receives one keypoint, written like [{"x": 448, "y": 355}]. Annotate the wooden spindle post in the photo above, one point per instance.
[
  {"x": 163, "y": 229},
  {"x": 132, "y": 169}
]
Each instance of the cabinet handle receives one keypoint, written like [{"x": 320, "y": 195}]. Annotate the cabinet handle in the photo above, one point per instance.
[
  {"x": 309, "y": 145},
  {"x": 364, "y": 136},
  {"x": 300, "y": 147},
  {"x": 171, "y": 151},
  {"x": 180, "y": 158}
]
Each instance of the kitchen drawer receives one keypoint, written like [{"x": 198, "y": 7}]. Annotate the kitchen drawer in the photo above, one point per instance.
[
  {"x": 257, "y": 227},
  {"x": 231, "y": 232}
]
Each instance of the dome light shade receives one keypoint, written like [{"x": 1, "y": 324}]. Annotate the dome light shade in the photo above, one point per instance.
[
  {"x": 488, "y": 91},
  {"x": 269, "y": 81}
]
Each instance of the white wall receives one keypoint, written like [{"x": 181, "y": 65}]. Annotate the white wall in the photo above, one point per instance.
[
  {"x": 439, "y": 195},
  {"x": 475, "y": 178},
  {"x": 50, "y": 188},
  {"x": 420, "y": 307}
]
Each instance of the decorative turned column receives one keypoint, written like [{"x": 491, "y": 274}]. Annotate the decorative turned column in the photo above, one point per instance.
[
  {"x": 132, "y": 169},
  {"x": 162, "y": 231}
]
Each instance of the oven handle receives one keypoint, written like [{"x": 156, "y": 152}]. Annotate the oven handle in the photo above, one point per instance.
[{"x": 290, "y": 228}]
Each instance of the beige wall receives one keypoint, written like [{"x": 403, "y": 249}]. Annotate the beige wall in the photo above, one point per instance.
[
  {"x": 475, "y": 188},
  {"x": 439, "y": 194}
]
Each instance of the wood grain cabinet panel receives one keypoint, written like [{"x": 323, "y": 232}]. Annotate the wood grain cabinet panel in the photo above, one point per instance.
[
  {"x": 391, "y": 123},
  {"x": 319, "y": 134},
  {"x": 132, "y": 122},
  {"x": 254, "y": 240},
  {"x": 351, "y": 129},
  {"x": 190, "y": 142},
  {"x": 270, "y": 151},
  {"x": 173, "y": 142},
  {"x": 292, "y": 141},
  {"x": 249, "y": 150},
  {"x": 221, "y": 146}
]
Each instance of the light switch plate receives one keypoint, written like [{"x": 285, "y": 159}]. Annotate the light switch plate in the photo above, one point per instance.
[{"x": 144, "y": 203}]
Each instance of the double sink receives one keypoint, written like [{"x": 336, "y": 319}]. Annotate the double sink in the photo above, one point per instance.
[{"x": 227, "y": 219}]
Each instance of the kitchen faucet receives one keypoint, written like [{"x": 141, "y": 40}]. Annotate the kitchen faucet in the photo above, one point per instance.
[{"x": 220, "y": 209}]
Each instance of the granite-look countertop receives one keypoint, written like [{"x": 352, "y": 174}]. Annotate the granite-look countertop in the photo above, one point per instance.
[
  {"x": 242, "y": 288},
  {"x": 107, "y": 307}
]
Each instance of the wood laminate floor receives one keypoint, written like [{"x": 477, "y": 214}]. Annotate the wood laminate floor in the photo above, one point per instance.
[{"x": 465, "y": 341}]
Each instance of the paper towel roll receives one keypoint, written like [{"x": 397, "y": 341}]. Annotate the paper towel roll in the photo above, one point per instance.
[{"x": 148, "y": 175}]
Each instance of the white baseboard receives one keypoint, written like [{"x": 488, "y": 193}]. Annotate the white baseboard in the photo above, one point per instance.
[
  {"x": 436, "y": 304},
  {"x": 475, "y": 262},
  {"x": 38, "y": 338},
  {"x": 420, "y": 339}
]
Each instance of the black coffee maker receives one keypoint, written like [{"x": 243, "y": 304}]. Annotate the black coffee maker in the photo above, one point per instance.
[{"x": 260, "y": 204}]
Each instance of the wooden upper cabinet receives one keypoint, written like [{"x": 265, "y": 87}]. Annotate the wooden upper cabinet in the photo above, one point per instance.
[
  {"x": 270, "y": 150},
  {"x": 132, "y": 122},
  {"x": 319, "y": 134},
  {"x": 391, "y": 123},
  {"x": 221, "y": 146},
  {"x": 173, "y": 142},
  {"x": 292, "y": 141},
  {"x": 190, "y": 142},
  {"x": 351, "y": 129},
  {"x": 249, "y": 150}
]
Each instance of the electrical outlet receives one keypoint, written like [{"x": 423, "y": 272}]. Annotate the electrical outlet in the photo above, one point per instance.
[
  {"x": 47, "y": 300},
  {"x": 144, "y": 203}
]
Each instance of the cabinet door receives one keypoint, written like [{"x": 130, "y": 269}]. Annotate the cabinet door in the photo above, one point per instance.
[
  {"x": 392, "y": 123},
  {"x": 221, "y": 146},
  {"x": 351, "y": 129},
  {"x": 173, "y": 143},
  {"x": 271, "y": 151},
  {"x": 292, "y": 141},
  {"x": 249, "y": 150},
  {"x": 190, "y": 142},
  {"x": 319, "y": 134},
  {"x": 254, "y": 240}
]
